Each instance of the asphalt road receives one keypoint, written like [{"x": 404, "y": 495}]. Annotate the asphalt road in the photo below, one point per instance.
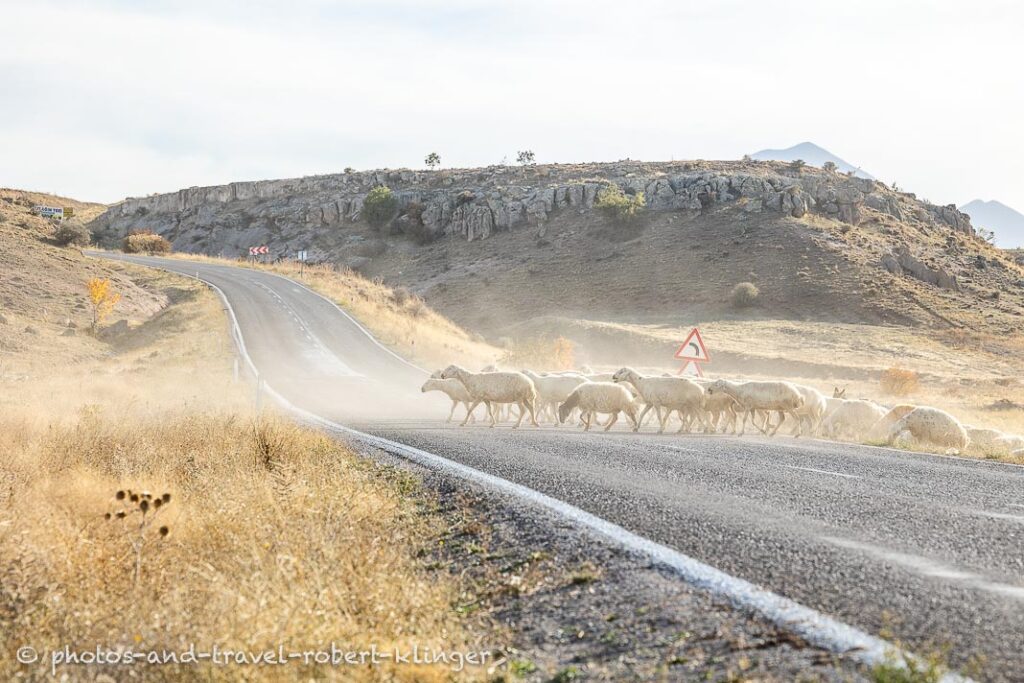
[{"x": 927, "y": 548}]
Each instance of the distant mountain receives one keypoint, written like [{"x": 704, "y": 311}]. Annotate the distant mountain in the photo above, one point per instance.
[
  {"x": 1006, "y": 223},
  {"x": 812, "y": 154}
]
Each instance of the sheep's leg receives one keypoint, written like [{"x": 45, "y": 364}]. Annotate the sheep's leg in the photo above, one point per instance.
[
  {"x": 532, "y": 406},
  {"x": 451, "y": 413},
  {"x": 767, "y": 423},
  {"x": 698, "y": 413},
  {"x": 743, "y": 425},
  {"x": 522, "y": 414},
  {"x": 662, "y": 420},
  {"x": 492, "y": 409},
  {"x": 613, "y": 420},
  {"x": 587, "y": 417},
  {"x": 643, "y": 413},
  {"x": 782, "y": 418},
  {"x": 470, "y": 412}
]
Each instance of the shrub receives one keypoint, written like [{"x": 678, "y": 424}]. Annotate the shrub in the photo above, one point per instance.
[
  {"x": 899, "y": 382},
  {"x": 525, "y": 157},
  {"x": 540, "y": 353},
  {"x": 744, "y": 295},
  {"x": 433, "y": 160},
  {"x": 145, "y": 242},
  {"x": 620, "y": 207},
  {"x": 829, "y": 166},
  {"x": 72, "y": 232},
  {"x": 797, "y": 165},
  {"x": 380, "y": 206},
  {"x": 400, "y": 295}
]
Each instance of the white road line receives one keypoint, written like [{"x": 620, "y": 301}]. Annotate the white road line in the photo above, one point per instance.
[
  {"x": 1000, "y": 515},
  {"x": 928, "y": 567},
  {"x": 1016, "y": 505},
  {"x": 811, "y": 469},
  {"x": 683, "y": 449},
  {"x": 817, "y": 628}
]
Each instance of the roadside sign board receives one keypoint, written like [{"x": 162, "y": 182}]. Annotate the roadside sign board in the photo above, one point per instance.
[
  {"x": 255, "y": 251},
  {"x": 49, "y": 211},
  {"x": 300, "y": 255},
  {"x": 691, "y": 369},
  {"x": 693, "y": 348},
  {"x": 693, "y": 352}
]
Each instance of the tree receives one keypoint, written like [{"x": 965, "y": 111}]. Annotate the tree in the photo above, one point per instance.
[
  {"x": 433, "y": 160},
  {"x": 622, "y": 208},
  {"x": 797, "y": 165},
  {"x": 72, "y": 232},
  {"x": 380, "y": 206},
  {"x": 525, "y": 158},
  {"x": 103, "y": 298},
  {"x": 829, "y": 166}
]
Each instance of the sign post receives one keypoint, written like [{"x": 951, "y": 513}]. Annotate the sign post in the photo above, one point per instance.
[
  {"x": 301, "y": 256},
  {"x": 693, "y": 352}
]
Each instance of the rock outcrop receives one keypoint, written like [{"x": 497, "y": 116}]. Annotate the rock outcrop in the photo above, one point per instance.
[{"x": 473, "y": 204}]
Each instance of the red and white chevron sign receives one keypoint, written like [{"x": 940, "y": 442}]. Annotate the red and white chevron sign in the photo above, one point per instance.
[{"x": 253, "y": 251}]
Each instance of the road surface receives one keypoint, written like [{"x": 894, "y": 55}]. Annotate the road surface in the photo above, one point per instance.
[{"x": 928, "y": 548}]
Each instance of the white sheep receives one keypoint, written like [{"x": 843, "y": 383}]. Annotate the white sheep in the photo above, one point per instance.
[
  {"x": 984, "y": 440},
  {"x": 454, "y": 389},
  {"x": 552, "y": 390},
  {"x": 812, "y": 412},
  {"x": 853, "y": 418},
  {"x": 497, "y": 388},
  {"x": 929, "y": 426},
  {"x": 1008, "y": 443},
  {"x": 779, "y": 397},
  {"x": 880, "y": 430},
  {"x": 593, "y": 398},
  {"x": 671, "y": 393}
]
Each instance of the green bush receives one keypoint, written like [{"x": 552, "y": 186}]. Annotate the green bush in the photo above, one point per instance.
[
  {"x": 72, "y": 232},
  {"x": 744, "y": 295},
  {"x": 622, "y": 208},
  {"x": 380, "y": 206}
]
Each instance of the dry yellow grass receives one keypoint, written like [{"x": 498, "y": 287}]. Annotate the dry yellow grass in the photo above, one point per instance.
[{"x": 278, "y": 535}]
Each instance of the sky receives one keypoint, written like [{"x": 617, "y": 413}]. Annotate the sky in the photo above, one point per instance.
[{"x": 103, "y": 99}]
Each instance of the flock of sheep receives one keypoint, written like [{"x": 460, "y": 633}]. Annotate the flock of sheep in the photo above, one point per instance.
[{"x": 711, "y": 405}]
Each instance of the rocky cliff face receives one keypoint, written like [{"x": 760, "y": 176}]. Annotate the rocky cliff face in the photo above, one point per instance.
[{"x": 473, "y": 204}]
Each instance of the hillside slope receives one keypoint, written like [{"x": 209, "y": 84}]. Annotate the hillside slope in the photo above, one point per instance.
[
  {"x": 43, "y": 297},
  {"x": 490, "y": 247}
]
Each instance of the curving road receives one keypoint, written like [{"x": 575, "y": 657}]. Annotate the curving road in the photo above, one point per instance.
[{"x": 929, "y": 548}]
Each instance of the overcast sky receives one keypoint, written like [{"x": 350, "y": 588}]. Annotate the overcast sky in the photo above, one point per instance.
[{"x": 105, "y": 99}]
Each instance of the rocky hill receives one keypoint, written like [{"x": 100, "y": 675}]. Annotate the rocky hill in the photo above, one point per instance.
[{"x": 492, "y": 247}]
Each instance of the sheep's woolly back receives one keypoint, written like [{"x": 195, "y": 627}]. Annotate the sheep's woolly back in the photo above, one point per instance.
[
  {"x": 498, "y": 387},
  {"x": 760, "y": 395},
  {"x": 664, "y": 392},
  {"x": 814, "y": 402},
  {"x": 931, "y": 426},
  {"x": 600, "y": 397},
  {"x": 856, "y": 417},
  {"x": 554, "y": 388}
]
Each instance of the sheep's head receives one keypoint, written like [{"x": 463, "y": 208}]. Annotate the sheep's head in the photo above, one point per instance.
[
  {"x": 436, "y": 374},
  {"x": 623, "y": 375},
  {"x": 429, "y": 385},
  {"x": 563, "y": 412},
  {"x": 715, "y": 387},
  {"x": 451, "y": 371}
]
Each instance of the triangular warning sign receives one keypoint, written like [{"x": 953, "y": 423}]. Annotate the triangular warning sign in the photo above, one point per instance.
[
  {"x": 691, "y": 369},
  {"x": 693, "y": 348}
]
